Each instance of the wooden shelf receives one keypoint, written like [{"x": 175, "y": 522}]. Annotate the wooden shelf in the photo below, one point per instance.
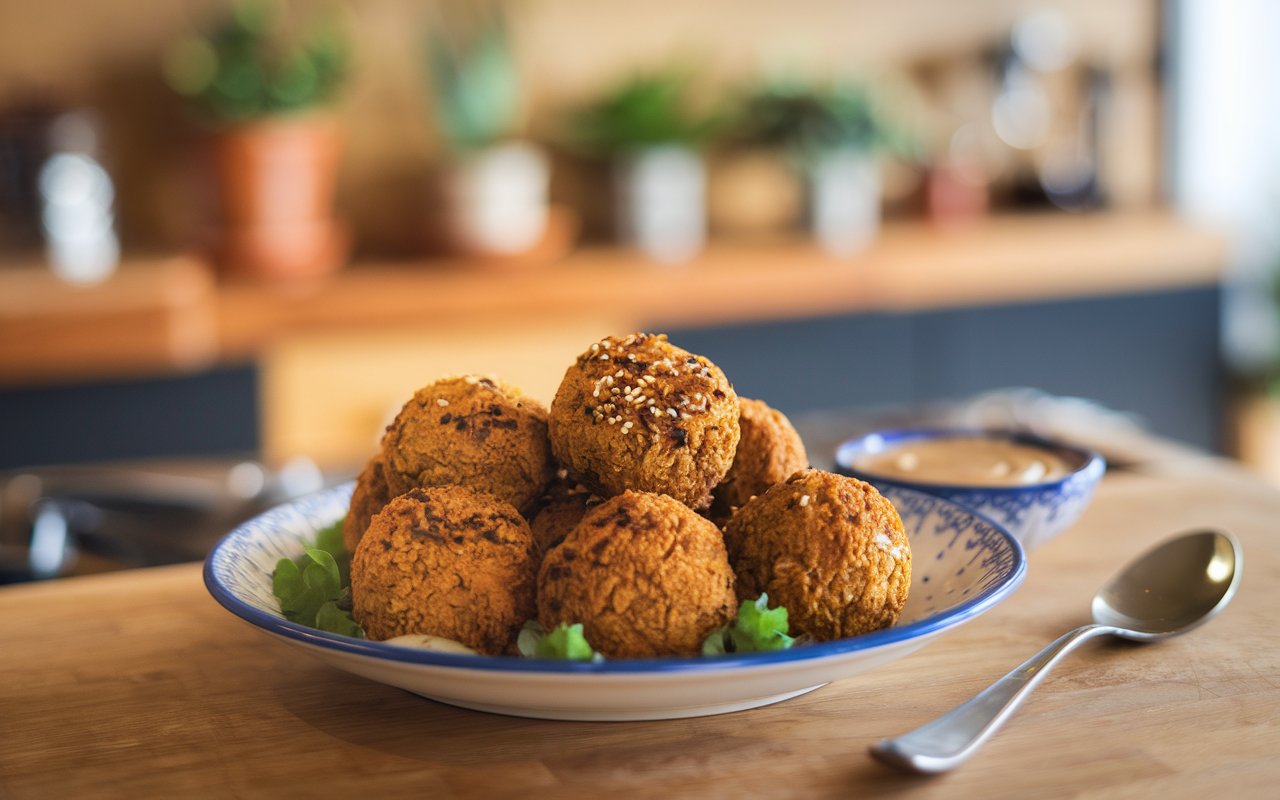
[
  {"x": 168, "y": 315},
  {"x": 153, "y": 315}
]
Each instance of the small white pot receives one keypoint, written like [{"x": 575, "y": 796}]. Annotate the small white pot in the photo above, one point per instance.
[
  {"x": 844, "y": 201},
  {"x": 497, "y": 199},
  {"x": 661, "y": 202}
]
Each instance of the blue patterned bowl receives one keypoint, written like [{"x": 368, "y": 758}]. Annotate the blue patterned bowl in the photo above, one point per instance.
[
  {"x": 962, "y": 566},
  {"x": 1034, "y": 513}
]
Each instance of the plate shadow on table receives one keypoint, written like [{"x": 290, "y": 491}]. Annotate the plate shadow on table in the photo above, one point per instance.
[{"x": 728, "y": 750}]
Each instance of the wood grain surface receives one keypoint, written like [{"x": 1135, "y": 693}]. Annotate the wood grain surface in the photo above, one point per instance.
[{"x": 137, "y": 684}]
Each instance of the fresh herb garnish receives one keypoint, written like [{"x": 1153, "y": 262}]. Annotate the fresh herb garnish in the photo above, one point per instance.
[
  {"x": 758, "y": 629},
  {"x": 312, "y": 589},
  {"x": 565, "y": 642}
]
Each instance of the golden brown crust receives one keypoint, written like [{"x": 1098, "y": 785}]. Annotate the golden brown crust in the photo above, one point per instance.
[
  {"x": 829, "y": 548},
  {"x": 636, "y": 412},
  {"x": 368, "y": 498},
  {"x": 769, "y": 451},
  {"x": 644, "y": 574},
  {"x": 560, "y": 513},
  {"x": 470, "y": 431},
  {"x": 445, "y": 561}
]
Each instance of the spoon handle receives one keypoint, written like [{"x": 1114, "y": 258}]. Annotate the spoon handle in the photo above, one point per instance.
[{"x": 949, "y": 740}]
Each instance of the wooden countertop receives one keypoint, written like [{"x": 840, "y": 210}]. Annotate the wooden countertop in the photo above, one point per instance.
[
  {"x": 49, "y": 332},
  {"x": 138, "y": 684}
]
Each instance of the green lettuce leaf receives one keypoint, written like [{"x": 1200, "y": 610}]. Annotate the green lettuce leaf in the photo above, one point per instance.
[
  {"x": 758, "y": 629},
  {"x": 313, "y": 589},
  {"x": 565, "y": 642}
]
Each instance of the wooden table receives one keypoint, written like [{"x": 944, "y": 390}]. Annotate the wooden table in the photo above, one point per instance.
[{"x": 137, "y": 684}]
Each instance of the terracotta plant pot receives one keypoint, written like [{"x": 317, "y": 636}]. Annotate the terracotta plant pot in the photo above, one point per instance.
[{"x": 276, "y": 180}]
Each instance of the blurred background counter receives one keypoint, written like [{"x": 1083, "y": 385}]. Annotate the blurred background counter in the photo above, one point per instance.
[
  {"x": 244, "y": 231},
  {"x": 1122, "y": 308}
]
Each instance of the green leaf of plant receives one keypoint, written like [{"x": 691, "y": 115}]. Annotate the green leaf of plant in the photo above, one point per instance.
[
  {"x": 758, "y": 629},
  {"x": 286, "y": 583},
  {"x": 334, "y": 620},
  {"x": 565, "y": 642},
  {"x": 313, "y": 589},
  {"x": 324, "y": 572}
]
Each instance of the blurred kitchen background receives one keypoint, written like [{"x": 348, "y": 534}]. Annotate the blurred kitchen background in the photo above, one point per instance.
[{"x": 235, "y": 236}]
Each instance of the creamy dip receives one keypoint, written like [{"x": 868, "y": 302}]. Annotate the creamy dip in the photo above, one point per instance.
[
  {"x": 968, "y": 460},
  {"x": 439, "y": 644}
]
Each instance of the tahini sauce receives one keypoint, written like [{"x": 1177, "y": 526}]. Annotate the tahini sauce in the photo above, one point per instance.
[{"x": 969, "y": 460}]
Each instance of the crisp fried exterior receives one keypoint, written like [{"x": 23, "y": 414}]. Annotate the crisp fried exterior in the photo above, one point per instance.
[
  {"x": 644, "y": 574},
  {"x": 638, "y": 413},
  {"x": 829, "y": 548},
  {"x": 769, "y": 452},
  {"x": 561, "y": 511},
  {"x": 445, "y": 561},
  {"x": 470, "y": 431},
  {"x": 368, "y": 498}
]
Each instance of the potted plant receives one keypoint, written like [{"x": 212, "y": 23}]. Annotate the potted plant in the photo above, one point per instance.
[
  {"x": 275, "y": 147},
  {"x": 495, "y": 185},
  {"x": 832, "y": 133},
  {"x": 648, "y": 127}
]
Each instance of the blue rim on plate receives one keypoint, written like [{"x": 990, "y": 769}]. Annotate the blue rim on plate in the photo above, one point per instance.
[
  {"x": 221, "y": 552},
  {"x": 1087, "y": 460}
]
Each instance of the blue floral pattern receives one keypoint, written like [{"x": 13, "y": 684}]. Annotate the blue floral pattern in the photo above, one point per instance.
[
  {"x": 1034, "y": 514},
  {"x": 962, "y": 565}
]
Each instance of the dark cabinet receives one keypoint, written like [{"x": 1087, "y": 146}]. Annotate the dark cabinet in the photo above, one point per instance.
[{"x": 1153, "y": 354}]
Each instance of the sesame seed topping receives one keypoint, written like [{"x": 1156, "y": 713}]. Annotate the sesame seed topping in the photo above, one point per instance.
[
  {"x": 440, "y": 401},
  {"x": 618, "y": 374},
  {"x": 804, "y": 500},
  {"x": 604, "y": 356},
  {"x": 672, "y": 412},
  {"x": 595, "y": 348},
  {"x": 562, "y": 473},
  {"x": 471, "y": 379},
  {"x": 613, "y": 420}
]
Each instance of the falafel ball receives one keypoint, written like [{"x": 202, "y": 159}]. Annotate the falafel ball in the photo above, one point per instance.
[
  {"x": 446, "y": 561},
  {"x": 563, "y": 507},
  {"x": 368, "y": 498},
  {"x": 769, "y": 452},
  {"x": 470, "y": 431},
  {"x": 644, "y": 574},
  {"x": 829, "y": 548},
  {"x": 637, "y": 412}
]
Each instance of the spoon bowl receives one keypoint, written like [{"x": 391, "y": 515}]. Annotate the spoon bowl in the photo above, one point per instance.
[{"x": 1170, "y": 589}]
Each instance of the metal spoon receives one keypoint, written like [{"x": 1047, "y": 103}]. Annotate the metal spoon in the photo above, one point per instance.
[{"x": 1168, "y": 590}]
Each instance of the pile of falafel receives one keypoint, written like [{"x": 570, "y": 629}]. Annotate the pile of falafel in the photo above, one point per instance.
[{"x": 646, "y": 505}]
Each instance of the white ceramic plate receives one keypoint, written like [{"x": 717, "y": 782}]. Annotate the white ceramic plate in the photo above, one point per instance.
[{"x": 962, "y": 565}]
